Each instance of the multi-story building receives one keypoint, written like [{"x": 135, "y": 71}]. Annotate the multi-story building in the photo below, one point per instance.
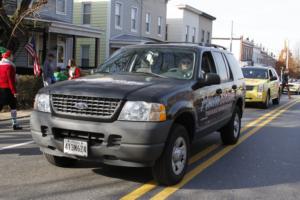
[
  {"x": 188, "y": 24},
  {"x": 247, "y": 52},
  {"x": 125, "y": 22},
  {"x": 54, "y": 33}
]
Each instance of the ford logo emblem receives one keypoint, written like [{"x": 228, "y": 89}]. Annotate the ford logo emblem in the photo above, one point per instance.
[{"x": 81, "y": 106}]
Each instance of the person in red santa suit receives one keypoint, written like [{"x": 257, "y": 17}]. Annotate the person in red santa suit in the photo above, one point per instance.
[
  {"x": 8, "y": 92},
  {"x": 74, "y": 71}
]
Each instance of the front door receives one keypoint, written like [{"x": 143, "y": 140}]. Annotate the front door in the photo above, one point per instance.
[{"x": 207, "y": 99}]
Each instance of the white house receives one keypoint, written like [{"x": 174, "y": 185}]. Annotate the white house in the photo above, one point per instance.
[{"x": 188, "y": 24}]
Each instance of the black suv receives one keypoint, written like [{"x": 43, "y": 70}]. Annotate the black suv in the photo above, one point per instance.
[{"x": 142, "y": 108}]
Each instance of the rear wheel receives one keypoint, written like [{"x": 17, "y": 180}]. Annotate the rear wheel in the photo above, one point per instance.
[
  {"x": 277, "y": 100},
  {"x": 170, "y": 168},
  {"x": 230, "y": 133},
  {"x": 60, "y": 161}
]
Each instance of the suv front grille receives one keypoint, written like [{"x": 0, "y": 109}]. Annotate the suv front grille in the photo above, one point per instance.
[
  {"x": 82, "y": 106},
  {"x": 249, "y": 87}
]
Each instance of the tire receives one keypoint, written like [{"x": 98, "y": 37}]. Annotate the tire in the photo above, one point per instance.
[
  {"x": 277, "y": 100},
  {"x": 60, "y": 161},
  {"x": 164, "y": 171},
  {"x": 266, "y": 104},
  {"x": 230, "y": 133}
]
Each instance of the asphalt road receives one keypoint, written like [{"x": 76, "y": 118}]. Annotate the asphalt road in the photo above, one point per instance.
[{"x": 265, "y": 164}]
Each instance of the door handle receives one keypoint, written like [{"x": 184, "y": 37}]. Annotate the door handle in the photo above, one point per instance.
[
  {"x": 234, "y": 87},
  {"x": 219, "y": 91}
]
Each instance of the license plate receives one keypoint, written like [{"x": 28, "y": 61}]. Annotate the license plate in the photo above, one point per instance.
[{"x": 76, "y": 147}]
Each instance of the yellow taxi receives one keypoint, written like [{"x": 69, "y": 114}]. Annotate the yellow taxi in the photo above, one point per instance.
[{"x": 262, "y": 85}]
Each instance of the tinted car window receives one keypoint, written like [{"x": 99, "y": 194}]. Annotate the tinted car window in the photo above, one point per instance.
[
  {"x": 234, "y": 66},
  {"x": 255, "y": 73},
  {"x": 221, "y": 66},
  {"x": 207, "y": 63}
]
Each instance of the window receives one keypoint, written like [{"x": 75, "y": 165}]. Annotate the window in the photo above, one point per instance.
[
  {"x": 61, "y": 51},
  {"x": 168, "y": 62},
  {"x": 61, "y": 7},
  {"x": 221, "y": 66},
  {"x": 159, "y": 19},
  {"x": 207, "y": 64},
  {"x": 208, "y": 38},
  {"x": 187, "y": 30},
  {"x": 86, "y": 17},
  {"x": 148, "y": 21},
  {"x": 194, "y": 35},
  {"x": 118, "y": 10},
  {"x": 255, "y": 73},
  {"x": 203, "y": 36},
  {"x": 133, "y": 19},
  {"x": 85, "y": 52},
  {"x": 234, "y": 66}
]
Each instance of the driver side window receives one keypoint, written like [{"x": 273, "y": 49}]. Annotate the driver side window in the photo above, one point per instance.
[{"x": 207, "y": 64}]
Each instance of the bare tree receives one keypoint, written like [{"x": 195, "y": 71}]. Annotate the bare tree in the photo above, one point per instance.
[{"x": 12, "y": 27}]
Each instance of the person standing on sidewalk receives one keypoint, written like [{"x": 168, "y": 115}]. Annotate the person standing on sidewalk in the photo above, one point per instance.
[
  {"x": 48, "y": 70},
  {"x": 8, "y": 92}
]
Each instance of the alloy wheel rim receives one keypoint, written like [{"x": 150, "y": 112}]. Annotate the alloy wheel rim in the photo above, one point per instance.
[
  {"x": 236, "y": 125},
  {"x": 179, "y": 155}
]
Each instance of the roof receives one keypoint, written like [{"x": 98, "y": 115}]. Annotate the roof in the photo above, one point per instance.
[
  {"x": 126, "y": 39},
  {"x": 181, "y": 45},
  {"x": 196, "y": 11},
  {"x": 258, "y": 67},
  {"x": 69, "y": 28}
]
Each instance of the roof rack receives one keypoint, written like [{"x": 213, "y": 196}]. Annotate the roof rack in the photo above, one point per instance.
[{"x": 200, "y": 44}]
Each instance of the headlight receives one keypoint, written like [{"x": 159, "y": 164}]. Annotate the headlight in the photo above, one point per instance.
[
  {"x": 42, "y": 103},
  {"x": 143, "y": 111},
  {"x": 260, "y": 88}
]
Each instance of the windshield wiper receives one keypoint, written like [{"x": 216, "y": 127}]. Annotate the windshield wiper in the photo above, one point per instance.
[{"x": 151, "y": 73}]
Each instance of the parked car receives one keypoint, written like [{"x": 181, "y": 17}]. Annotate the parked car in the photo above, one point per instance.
[
  {"x": 142, "y": 108},
  {"x": 294, "y": 87},
  {"x": 262, "y": 85}
]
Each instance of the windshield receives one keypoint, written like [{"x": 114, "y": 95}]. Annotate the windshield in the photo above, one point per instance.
[
  {"x": 255, "y": 73},
  {"x": 162, "y": 62}
]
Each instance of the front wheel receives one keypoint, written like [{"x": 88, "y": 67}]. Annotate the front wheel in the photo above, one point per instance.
[
  {"x": 230, "y": 133},
  {"x": 170, "y": 168},
  {"x": 60, "y": 161}
]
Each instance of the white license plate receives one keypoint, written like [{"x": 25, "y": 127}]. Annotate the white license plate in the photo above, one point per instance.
[{"x": 76, "y": 147}]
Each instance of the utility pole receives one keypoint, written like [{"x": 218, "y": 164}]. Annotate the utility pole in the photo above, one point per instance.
[
  {"x": 231, "y": 36},
  {"x": 287, "y": 54}
]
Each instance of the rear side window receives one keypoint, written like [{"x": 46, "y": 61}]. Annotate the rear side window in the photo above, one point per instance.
[
  {"x": 234, "y": 66},
  {"x": 221, "y": 66}
]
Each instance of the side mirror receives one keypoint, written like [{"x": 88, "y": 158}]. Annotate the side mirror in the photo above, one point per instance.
[
  {"x": 273, "y": 78},
  {"x": 209, "y": 79},
  {"x": 212, "y": 79}
]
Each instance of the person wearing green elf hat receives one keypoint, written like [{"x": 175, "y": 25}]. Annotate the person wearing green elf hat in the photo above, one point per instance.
[{"x": 8, "y": 92}]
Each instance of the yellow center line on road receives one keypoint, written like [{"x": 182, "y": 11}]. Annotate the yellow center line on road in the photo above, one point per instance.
[
  {"x": 147, "y": 187},
  {"x": 165, "y": 193}
]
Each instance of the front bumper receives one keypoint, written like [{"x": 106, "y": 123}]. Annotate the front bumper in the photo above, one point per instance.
[
  {"x": 255, "y": 97},
  {"x": 123, "y": 143}
]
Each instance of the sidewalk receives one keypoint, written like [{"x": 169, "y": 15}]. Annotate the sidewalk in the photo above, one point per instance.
[{"x": 21, "y": 114}]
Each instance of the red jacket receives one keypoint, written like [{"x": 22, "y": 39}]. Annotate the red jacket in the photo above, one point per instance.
[
  {"x": 75, "y": 73},
  {"x": 7, "y": 76}
]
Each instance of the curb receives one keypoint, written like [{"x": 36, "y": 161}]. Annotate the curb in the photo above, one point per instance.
[{"x": 2, "y": 120}]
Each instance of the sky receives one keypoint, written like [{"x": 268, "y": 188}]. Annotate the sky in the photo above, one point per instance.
[{"x": 267, "y": 22}]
